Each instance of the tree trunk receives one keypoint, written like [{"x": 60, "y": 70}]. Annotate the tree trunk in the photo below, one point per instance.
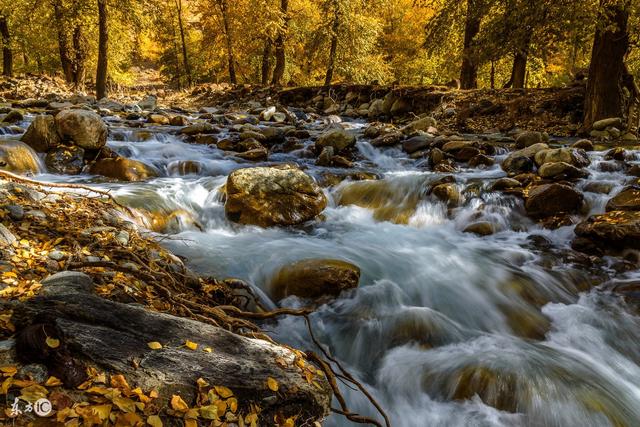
[
  {"x": 185, "y": 56},
  {"x": 278, "y": 71},
  {"x": 94, "y": 331},
  {"x": 469, "y": 70},
  {"x": 493, "y": 74},
  {"x": 224, "y": 7},
  {"x": 334, "y": 47},
  {"x": 519, "y": 70},
  {"x": 63, "y": 41},
  {"x": 79, "y": 58},
  {"x": 103, "y": 50},
  {"x": 266, "y": 62},
  {"x": 174, "y": 39},
  {"x": 604, "y": 97},
  {"x": 7, "y": 53}
]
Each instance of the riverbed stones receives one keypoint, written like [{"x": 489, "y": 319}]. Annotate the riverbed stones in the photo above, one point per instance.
[
  {"x": 553, "y": 199},
  {"x": 314, "y": 278},
  {"x": 270, "y": 196},
  {"x": 529, "y": 138},
  {"x": 558, "y": 170},
  {"x": 422, "y": 124},
  {"x": 13, "y": 116},
  {"x": 575, "y": 157},
  {"x": 123, "y": 169},
  {"x": 83, "y": 128},
  {"x": 608, "y": 122},
  {"x": 68, "y": 160},
  {"x": 42, "y": 134},
  {"x": 447, "y": 193},
  {"x": 583, "y": 144},
  {"x": 339, "y": 139},
  {"x": 18, "y": 157},
  {"x": 613, "y": 230},
  {"x": 521, "y": 161},
  {"x": 626, "y": 200},
  {"x": 480, "y": 228}
]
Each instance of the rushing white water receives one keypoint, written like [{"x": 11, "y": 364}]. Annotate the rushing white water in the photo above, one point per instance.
[{"x": 446, "y": 328}]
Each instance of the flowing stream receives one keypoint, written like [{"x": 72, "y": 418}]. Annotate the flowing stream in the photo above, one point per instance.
[{"x": 446, "y": 328}]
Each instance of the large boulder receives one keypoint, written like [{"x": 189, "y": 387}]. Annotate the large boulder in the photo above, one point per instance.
[
  {"x": 553, "y": 199},
  {"x": 559, "y": 170},
  {"x": 314, "y": 278},
  {"x": 268, "y": 196},
  {"x": 42, "y": 134},
  {"x": 339, "y": 139},
  {"x": 82, "y": 127},
  {"x": 423, "y": 124},
  {"x": 626, "y": 200},
  {"x": 123, "y": 169},
  {"x": 529, "y": 138},
  {"x": 573, "y": 156},
  {"x": 18, "y": 157},
  {"x": 612, "y": 230},
  {"x": 521, "y": 161},
  {"x": 605, "y": 123}
]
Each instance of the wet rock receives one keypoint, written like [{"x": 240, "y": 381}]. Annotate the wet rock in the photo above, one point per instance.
[
  {"x": 515, "y": 162},
  {"x": 268, "y": 113},
  {"x": 481, "y": 228},
  {"x": 276, "y": 135},
  {"x": 42, "y": 134},
  {"x": 248, "y": 134},
  {"x": 179, "y": 121},
  {"x": 106, "y": 104},
  {"x": 504, "y": 184},
  {"x": 626, "y": 200},
  {"x": 149, "y": 103},
  {"x": 255, "y": 154},
  {"x": 583, "y": 144},
  {"x": 226, "y": 144},
  {"x": 598, "y": 187},
  {"x": 123, "y": 169},
  {"x": 417, "y": 143},
  {"x": 13, "y": 116},
  {"x": 6, "y": 236},
  {"x": 422, "y": 124},
  {"x": 605, "y": 123},
  {"x": 82, "y": 127},
  {"x": 481, "y": 160},
  {"x": 552, "y": 199},
  {"x": 400, "y": 106},
  {"x": 387, "y": 140},
  {"x": 447, "y": 193},
  {"x": 247, "y": 144},
  {"x": 205, "y": 139},
  {"x": 158, "y": 119},
  {"x": 199, "y": 128},
  {"x": 575, "y": 157},
  {"x": 18, "y": 157},
  {"x": 268, "y": 196},
  {"x": 529, "y": 138},
  {"x": 324, "y": 159},
  {"x": 65, "y": 160},
  {"x": 560, "y": 170},
  {"x": 437, "y": 156},
  {"x": 617, "y": 153},
  {"x": 339, "y": 139},
  {"x": 184, "y": 167},
  {"x": 615, "y": 230},
  {"x": 16, "y": 212},
  {"x": 314, "y": 278}
]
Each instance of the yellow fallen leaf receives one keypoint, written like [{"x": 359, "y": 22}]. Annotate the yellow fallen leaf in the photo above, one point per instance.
[
  {"x": 233, "y": 404},
  {"x": 202, "y": 383},
  {"x": 222, "y": 407},
  {"x": 154, "y": 421},
  {"x": 53, "y": 382},
  {"x": 191, "y": 414},
  {"x": 154, "y": 345},
  {"x": 124, "y": 404},
  {"x": 191, "y": 345},
  {"x": 209, "y": 412},
  {"x": 207, "y": 350},
  {"x": 9, "y": 370},
  {"x": 33, "y": 393},
  {"x": 102, "y": 411},
  {"x": 53, "y": 342},
  {"x": 190, "y": 422},
  {"x": 272, "y": 384},
  {"x": 178, "y": 404},
  {"x": 223, "y": 392}
]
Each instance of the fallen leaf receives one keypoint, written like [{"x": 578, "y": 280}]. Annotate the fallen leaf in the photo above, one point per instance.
[
  {"x": 223, "y": 392},
  {"x": 154, "y": 421},
  {"x": 207, "y": 350},
  {"x": 178, "y": 404},
  {"x": 53, "y": 382},
  {"x": 124, "y": 404},
  {"x": 53, "y": 342},
  {"x": 209, "y": 412},
  {"x": 154, "y": 345},
  {"x": 272, "y": 384},
  {"x": 33, "y": 393},
  {"x": 191, "y": 345},
  {"x": 102, "y": 411}
]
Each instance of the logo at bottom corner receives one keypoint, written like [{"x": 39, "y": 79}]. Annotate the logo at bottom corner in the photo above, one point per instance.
[{"x": 42, "y": 407}]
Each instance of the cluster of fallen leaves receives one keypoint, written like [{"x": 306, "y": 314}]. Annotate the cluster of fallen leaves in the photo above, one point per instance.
[{"x": 67, "y": 230}]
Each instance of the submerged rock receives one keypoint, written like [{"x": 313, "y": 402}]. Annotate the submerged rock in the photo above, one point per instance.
[
  {"x": 18, "y": 157},
  {"x": 314, "y": 278},
  {"x": 268, "y": 196},
  {"x": 123, "y": 169},
  {"x": 82, "y": 127}
]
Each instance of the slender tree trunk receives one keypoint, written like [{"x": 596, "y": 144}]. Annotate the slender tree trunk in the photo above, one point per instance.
[
  {"x": 174, "y": 39},
  {"x": 103, "y": 50},
  {"x": 185, "y": 56},
  {"x": 493, "y": 74},
  {"x": 7, "y": 52},
  {"x": 334, "y": 47},
  {"x": 604, "y": 97},
  {"x": 519, "y": 70},
  {"x": 63, "y": 41},
  {"x": 266, "y": 62},
  {"x": 80, "y": 56},
  {"x": 469, "y": 70},
  {"x": 224, "y": 6},
  {"x": 278, "y": 71}
]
